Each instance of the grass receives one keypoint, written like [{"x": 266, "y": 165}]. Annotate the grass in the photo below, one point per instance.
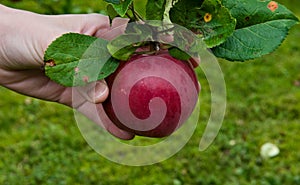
[{"x": 41, "y": 144}]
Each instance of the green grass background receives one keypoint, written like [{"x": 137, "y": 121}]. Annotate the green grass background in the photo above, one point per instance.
[{"x": 41, "y": 144}]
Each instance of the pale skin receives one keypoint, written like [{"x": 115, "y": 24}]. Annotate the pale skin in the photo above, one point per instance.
[{"x": 24, "y": 37}]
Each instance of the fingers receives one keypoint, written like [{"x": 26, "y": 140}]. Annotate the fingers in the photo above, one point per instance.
[
  {"x": 95, "y": 92},
  {"x": 99, "y": 93},
  {"x": 88, "y": 99},
  {"x": 96, "y": 113},
  {"x": 166, "y": 38},
  {"x": 94, "y": 23},
  {"x": 33, "y": 83},
  {"x": 120, "y": 23},
  {"x": 111, "y": 127},
  {"x": 117, "y": 28},
  {"x": 195, "y": 61}
]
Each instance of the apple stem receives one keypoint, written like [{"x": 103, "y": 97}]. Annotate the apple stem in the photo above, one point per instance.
[
  {"x": 145, "y": 52},
  {"x": 155, "y": 47}
]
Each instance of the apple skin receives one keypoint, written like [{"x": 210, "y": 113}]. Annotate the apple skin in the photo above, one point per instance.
[{"x": 151, "y": 95}]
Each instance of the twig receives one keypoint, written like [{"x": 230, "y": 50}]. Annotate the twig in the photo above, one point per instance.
[{"x": 136, "y": 15}]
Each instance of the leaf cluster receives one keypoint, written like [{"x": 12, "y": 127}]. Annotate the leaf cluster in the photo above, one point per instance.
[{"x": 237, "y": 30}]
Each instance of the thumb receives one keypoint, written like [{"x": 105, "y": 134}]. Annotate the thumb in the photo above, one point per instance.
[{"x": 95, "y": 92}]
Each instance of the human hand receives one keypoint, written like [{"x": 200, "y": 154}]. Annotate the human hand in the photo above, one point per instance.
[{"x": 24, "y": 37}]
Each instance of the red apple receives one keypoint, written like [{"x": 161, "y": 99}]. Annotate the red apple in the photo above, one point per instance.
[{"x": 151, "y": 95}]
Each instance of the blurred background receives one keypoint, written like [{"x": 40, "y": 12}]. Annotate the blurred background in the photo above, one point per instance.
[{"x": 40, "y": 142}]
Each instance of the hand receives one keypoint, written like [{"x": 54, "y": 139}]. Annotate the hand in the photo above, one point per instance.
[{"x": 24, "y": 37}]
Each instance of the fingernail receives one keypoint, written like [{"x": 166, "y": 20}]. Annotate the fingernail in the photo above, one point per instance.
[{"x": 99, "y": 92}]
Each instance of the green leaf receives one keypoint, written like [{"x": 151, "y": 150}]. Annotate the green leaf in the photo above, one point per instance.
[
  {"x": 179, "y": 54},
  {"x": 122, "y": 7},
  {"x": 113, "y": 1},
  {"x": 221, "y": 25},
  {"x": 260, "y": 29},
  {"x": 111, "y": 12},
  {"x": 75, "y": 59},
  {"x": 187, "y": 42},
  {"x": 123, "y": 46},
  {"x": 168, "y": 6},
  {"x": 155, "y": 9},
  {"x": 208, "y": 18},
  {"x": 185, "y": 12}
]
